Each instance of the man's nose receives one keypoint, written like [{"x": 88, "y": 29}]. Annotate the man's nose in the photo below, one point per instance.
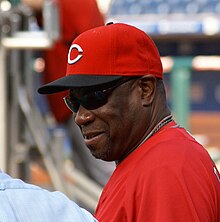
[{"x": 83, "y": 116}]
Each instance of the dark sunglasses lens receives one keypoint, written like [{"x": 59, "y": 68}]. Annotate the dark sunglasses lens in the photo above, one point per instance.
[
  {"x": 73, "y": 105},
  {"x": 93, "y": 100},
  {"x": 90, "y": 101}
]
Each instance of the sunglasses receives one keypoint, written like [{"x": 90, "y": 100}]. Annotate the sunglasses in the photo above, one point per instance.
[{"x": 92, "y": 100}]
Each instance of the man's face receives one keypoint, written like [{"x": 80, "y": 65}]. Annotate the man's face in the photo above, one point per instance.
[{"x": 112, "y": 129}]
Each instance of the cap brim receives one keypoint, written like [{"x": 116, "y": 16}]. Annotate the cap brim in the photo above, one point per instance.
[{"x": 72, "y": 81}]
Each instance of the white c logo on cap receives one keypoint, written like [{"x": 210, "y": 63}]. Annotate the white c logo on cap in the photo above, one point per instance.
[{"x": 79, "y": 49}]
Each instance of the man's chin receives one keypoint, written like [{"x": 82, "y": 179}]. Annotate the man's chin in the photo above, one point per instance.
[{"x": 101, "y": 155}]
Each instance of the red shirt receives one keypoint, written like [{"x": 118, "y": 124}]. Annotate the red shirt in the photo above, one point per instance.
[
  {"x": 169, "y": 178},
  {"x": 76, "y": 16}
]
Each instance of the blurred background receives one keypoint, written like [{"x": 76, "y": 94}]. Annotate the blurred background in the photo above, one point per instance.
[{"x": 36, "y": 144}]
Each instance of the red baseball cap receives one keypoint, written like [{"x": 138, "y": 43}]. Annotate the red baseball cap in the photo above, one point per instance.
[{"x": 105, "y": 54}]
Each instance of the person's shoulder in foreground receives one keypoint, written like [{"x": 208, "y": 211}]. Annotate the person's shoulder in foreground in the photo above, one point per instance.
[{"x": 22, "y": 202}]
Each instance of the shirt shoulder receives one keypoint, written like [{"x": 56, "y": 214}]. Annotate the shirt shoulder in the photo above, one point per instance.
[
  {"x": 173, "y": 145},
  {"x": 27, "y": 203}
]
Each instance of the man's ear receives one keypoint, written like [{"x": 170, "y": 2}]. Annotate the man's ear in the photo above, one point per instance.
[{"x": 148, "y": 86}]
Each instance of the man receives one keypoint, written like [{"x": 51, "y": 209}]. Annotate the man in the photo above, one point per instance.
[
  {"x": 22, "y": 202},
  {"x": 116, "y": 93}
]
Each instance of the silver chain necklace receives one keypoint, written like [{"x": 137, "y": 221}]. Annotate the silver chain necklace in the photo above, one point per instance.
[{"x": 161, "y": 124}]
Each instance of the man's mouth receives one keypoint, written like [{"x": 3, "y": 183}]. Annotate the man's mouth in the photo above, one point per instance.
[
  {"x": 88, "y": 136},
  {"x": 92, "y": 137}
]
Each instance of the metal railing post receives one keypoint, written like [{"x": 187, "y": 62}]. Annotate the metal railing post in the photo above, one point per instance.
[
  {"x": 3, "y": 112},
  {"x": 180, "y": 90}
]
